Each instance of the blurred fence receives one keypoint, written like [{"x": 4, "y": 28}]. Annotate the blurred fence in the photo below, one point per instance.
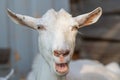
[{"x": 101, "y": 41}]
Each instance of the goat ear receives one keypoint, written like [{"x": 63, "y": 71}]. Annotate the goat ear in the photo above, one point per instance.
[
  {"x": 89, "y": 18},
  {"x": 23, "y": 20}
]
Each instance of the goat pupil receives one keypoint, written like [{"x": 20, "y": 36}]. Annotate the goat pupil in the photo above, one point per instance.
[{"x": 39, "y": 27}]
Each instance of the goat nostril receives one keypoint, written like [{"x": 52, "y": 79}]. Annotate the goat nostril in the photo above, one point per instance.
[
  {"x": 66, "y": 53},
  {"x": 56, "y": 53}
]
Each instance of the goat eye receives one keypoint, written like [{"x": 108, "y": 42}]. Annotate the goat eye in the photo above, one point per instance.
[
  {"x": 38, "y": 27},
  {"x": 74, "y": 28},
  {"x": 41, "y": 27}
]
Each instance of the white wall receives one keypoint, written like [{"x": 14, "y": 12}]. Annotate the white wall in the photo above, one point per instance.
[{"x": 22, "y": 40}]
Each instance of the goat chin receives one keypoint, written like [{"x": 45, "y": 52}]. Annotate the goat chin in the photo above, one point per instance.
[{"x": 93, "y": 70}]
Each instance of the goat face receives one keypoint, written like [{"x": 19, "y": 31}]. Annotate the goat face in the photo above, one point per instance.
[{"x": 57, "y": 33}]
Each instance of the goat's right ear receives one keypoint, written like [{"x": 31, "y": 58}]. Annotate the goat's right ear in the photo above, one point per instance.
[
  {"x": 23, "y": 20},
  {"x": 89, "y": 18}
]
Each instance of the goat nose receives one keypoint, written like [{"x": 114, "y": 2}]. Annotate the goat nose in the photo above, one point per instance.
[
  {"x": 57, "y": 53},
  {"x": 61, "y": 58}
]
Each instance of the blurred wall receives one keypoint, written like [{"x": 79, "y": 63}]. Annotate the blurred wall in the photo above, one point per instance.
[
  {"x": 21, "y": 40},
  {"x": 102, "y": 40}
]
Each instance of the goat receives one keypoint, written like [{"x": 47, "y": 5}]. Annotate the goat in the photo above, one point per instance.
[{"x": 57, "y": 33}]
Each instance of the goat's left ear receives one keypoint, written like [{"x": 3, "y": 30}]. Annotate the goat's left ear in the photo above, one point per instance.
[
  {"x": 89, "y": 18},
  {"x": 24, "y": 20}
]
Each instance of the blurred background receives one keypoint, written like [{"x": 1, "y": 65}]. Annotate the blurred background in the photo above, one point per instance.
[{"x": 18, "y": 45}]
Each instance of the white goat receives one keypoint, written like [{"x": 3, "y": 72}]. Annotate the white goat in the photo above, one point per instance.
[{"x": 57, "y": 32}]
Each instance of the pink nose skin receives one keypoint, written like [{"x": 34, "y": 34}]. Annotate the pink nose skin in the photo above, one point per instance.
[
  {"x": 61, "y": 54},
  {"x": 61, "y": 58}
]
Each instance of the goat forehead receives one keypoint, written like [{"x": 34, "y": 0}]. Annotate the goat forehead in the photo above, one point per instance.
[
  {"x": 58, "y": 23},
  {"x": 61, "y": 17},
  {"x": 52, "y": 13}
]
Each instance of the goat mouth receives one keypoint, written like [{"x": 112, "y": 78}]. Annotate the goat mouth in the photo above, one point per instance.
[{"x": 61, "y": 67}]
